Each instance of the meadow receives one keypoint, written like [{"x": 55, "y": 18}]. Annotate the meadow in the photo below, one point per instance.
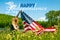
[
  {"x": 19, "y": 35},
  {"x": 6, "y": 34}
]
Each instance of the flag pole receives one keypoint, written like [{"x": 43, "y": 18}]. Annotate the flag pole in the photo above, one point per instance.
[{"x": 19, "y": 13}]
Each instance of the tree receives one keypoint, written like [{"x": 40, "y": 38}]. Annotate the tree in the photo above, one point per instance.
[{"x": 52, "y": 17}]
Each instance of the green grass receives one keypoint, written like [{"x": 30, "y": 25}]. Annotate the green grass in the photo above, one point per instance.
[{"x": 18, "y": 35}]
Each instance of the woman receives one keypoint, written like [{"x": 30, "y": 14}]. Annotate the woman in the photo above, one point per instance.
[{"x": 14, "y": 25}]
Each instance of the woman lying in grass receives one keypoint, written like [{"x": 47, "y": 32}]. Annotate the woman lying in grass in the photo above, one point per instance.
[{"x": 14, "y": 25}]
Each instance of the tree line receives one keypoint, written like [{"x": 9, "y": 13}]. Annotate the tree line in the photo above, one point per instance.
[{"x": 53, "y": 18}]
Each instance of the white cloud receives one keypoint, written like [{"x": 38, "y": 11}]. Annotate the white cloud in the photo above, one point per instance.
[
  {"x": 11, "y": 5},
  {"x": 42, "y": 19}
]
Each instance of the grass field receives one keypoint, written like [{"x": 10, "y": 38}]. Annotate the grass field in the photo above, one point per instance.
[{"x": 16, "y": 35}]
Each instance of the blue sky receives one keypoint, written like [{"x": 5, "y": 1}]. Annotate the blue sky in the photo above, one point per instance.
[{"x": 11, "y": 7}]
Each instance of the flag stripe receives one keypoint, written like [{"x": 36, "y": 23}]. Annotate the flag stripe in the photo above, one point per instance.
[
  {"x": 32, "y": 28},
  {"x": 26, "y": 26},
  {"x": 35, "y": 25},
  {"x": 38, "y": 25},
  {"x": 24, "y": 22},
  {"x": 49, "y": 29}
]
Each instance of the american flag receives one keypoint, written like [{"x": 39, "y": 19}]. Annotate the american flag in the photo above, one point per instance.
[{"x": 30, "y": 24}]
